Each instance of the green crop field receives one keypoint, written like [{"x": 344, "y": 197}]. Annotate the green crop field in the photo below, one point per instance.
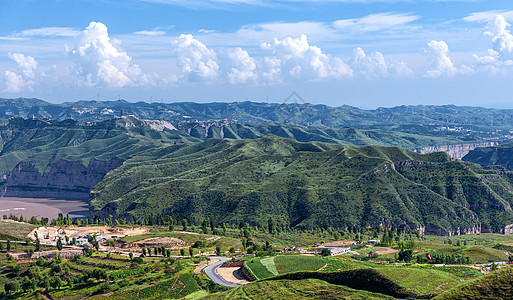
[
  {"x": 267, "y": 267},
  {"x": 336, "y": 264},
  {"x": 257, "y": 269},
  {"x": 480, "y": 254},
  {"x": 268, "y": 263},
  {"x": 294, "y": 263}
]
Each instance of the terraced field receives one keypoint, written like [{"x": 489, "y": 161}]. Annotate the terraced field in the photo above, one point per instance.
[{"x": 267, "y": 267}]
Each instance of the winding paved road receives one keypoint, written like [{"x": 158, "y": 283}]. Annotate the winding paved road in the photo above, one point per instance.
[{"x": 211, "y": 272}]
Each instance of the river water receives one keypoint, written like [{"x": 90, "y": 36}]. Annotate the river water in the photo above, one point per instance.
[{"x": 43, "y": 207}]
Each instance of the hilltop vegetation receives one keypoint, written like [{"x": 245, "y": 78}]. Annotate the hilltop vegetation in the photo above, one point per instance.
[
  {"x": 308, "y": 185},
  {"x": 496, "y": 285}
]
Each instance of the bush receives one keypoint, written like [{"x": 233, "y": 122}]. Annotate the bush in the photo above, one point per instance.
[
  {"x": 405, "y": 255},
  {"x": 326, "y": 252},
  {"x": 198, "y": 244},
  {"x": 138, "y": 260}
]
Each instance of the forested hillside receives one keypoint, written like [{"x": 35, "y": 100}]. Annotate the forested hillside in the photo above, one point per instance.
[{"x": 308, "y": 185}]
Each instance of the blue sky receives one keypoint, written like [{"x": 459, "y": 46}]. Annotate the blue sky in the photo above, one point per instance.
[{"x": 365, "y": 53}]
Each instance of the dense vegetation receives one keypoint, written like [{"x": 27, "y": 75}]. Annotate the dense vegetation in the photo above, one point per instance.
[{"x": 308, "y": 185}]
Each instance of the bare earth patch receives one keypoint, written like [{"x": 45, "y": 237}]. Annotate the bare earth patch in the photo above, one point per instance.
[
  {"x": 386, "y": 250},
  {"x": 339, "y": 243},
  {"x": 168, "y": 242},
  {"x": 204, "y": 264},
  {"x": 232, "y": 275},
  {"x": 14, "y": 228},
  {"x": 56, "y": 232}
]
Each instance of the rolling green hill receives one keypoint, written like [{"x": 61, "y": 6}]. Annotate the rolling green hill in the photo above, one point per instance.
[
  {"x": 308, "y": 185},
  {"x": 495, "y": 285},
  {"x": 294, "y": 289}
]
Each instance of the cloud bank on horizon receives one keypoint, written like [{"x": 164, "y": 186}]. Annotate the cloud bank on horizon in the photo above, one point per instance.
[{"x": 270, "y": 54}]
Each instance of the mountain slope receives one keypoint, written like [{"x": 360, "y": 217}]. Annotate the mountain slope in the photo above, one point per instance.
[
  {"x": 46, "y": 141},
  {"x": 65, "y": 159},
  {"x": 501, "y": 155},
  {"x": 308, "y": 185},
  {"x": 342, "y": 136}
]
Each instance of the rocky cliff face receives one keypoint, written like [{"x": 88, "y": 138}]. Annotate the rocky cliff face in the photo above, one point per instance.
[
  {"x": 67, "y": 180},
  {"x": 455, "y": 151}
]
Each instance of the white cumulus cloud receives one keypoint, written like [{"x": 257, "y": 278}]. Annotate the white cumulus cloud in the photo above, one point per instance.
[
  {"x": 500, "y": 55},
  {"x": 242, "y": 67},
  {"x": 196, "y": 61},
  {"x": 374, "y": 65},
  {"x": 24, "y": 78},
  {"x": 101, "y": 62},
  {"x": 442, "y": 64},
  {"x": 297, "y": 59}
]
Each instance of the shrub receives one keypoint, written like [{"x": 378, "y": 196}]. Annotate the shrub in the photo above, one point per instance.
[{"x": 326, "y": 252}]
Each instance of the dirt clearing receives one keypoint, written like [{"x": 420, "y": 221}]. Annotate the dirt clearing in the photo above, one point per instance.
[
  {"x": 168, "y": 242},
  {"x": 232, "y": 274},
  {"x": 56, "y": 232},
  {"x": 385, "y": 250},
  {"x": 339, "y": 243}
]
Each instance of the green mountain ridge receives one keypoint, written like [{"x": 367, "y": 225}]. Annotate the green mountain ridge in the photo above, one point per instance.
[
  {"x": 308, "y": 185},
  {"x": 44, "y": 141}
]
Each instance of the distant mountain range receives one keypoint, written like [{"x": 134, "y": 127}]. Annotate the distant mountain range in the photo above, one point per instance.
[{"x": 252, "y": 112}]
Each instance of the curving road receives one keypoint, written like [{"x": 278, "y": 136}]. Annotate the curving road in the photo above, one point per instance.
[{"x": 211, "y": 272}]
